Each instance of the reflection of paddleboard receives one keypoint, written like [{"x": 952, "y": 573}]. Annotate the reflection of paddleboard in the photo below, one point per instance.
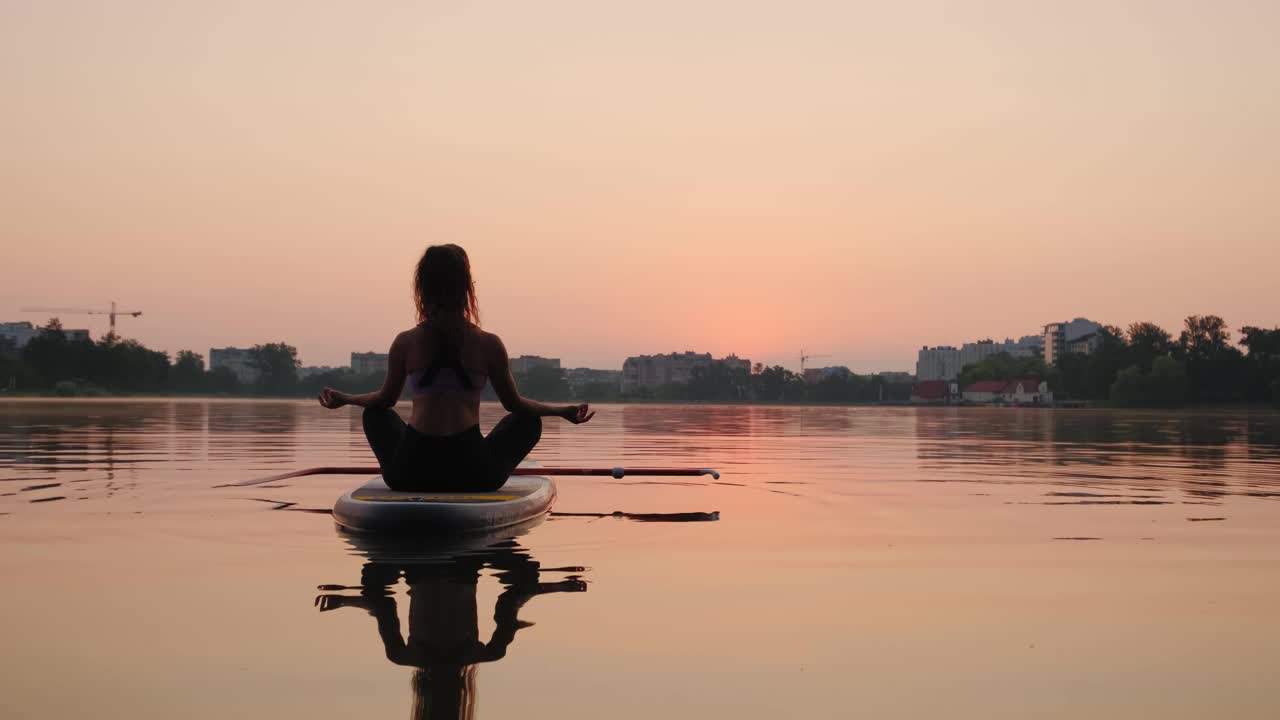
[
  {"x": 375, "y": 508},
  {"x": 389, "y": 549}
]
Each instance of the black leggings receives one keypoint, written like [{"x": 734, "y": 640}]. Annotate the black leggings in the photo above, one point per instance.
[{"x": 463, "y": 462}]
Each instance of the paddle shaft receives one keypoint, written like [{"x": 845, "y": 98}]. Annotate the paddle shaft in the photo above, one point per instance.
[
  {"x": 374, "y": 470},
  {"x": 614, "y": 472}
]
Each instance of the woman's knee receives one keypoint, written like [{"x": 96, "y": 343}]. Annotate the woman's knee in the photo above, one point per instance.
[
  {"x": 530, "y": 427},
  {"x": 535, "y": 424},
  {"x": 514, "y": 422}
]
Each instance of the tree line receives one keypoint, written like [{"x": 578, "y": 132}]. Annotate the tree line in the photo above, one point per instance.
[
  {"x": 53, "y": 362},
  {"x": 722, "y": 383},
  {"x": 1145, "y": 365}
]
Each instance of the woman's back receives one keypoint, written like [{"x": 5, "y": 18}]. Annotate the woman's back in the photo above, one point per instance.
[{"x": 446, "y": 370}]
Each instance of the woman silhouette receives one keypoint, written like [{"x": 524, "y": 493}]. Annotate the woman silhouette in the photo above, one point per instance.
[{"x": 446, "y": 359}]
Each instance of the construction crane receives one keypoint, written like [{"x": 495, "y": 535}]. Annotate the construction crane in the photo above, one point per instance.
[
  {"x": 804, "y": 357},
  {"x": 112, "y": 313}
]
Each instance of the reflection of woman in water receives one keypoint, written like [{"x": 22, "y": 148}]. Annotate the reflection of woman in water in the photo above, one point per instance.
[{"x": 444, "y": 643}]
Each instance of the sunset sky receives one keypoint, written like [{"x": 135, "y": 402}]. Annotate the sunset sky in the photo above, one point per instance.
[{"x": 857, "y": 179}]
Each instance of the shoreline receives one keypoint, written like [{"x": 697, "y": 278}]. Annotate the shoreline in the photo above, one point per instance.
[{"x": 1248, "y": 408}]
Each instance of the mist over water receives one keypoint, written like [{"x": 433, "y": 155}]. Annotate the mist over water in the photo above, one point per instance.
[{"x": 878, "y": 562}]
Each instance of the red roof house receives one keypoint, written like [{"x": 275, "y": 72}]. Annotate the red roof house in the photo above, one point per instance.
[{"x": 931, "y": 391}]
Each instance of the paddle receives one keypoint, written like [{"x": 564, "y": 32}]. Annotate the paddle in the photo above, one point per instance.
[{"x": 375, "y": 470}]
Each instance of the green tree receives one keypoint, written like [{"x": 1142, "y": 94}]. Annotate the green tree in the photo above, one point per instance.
[
  {"x": 1204, "y": 336},
  {"x": 277, "y": 365},
  {"x": 777, "y": 384},
  {"x": 1148, "y": 341},
  {"x": 15, "y": 374},
  {"x": 1129, "y": 387},
  {"x": 1165, "y": 385},
  {"x": 1167, "y": 381},
  {"x": 188, "y": 373},
  {"x": 46, "y": 353},
  {"x": 1071, "y": 381},
  {"x": 718, "y": 382},
  {"x": 127, "y": 365},
  {"x": 898, "y": 392},
  {"x": 834, "y": 389},
  {"x": 55, "y": 357},
  {"x": 68, "y": 365},
  {"x": 222, "y": 381},
  {"x": 1262, "y": 344},
  {"x": 1106, "y": 361},
  {"x": 1215, "y": 367},
  {"x": 1264, "y": 363},
  {"x": 1002, "y": 366}
]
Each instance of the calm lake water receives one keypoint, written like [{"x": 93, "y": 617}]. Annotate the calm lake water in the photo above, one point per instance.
[{"x": 868, "y": 562}]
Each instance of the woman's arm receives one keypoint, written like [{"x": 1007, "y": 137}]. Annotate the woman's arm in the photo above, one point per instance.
[
  {"x": 391, "y": 385},
  {"x": 505, "y": 386}
]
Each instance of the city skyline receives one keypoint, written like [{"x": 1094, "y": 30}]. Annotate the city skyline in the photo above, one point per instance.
[
  {"x": 827, "y": 360},
  {"x": 854, "y": 179}
]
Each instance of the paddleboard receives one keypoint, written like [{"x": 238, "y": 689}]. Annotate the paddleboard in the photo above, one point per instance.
[{"x": 376, "y": 508}]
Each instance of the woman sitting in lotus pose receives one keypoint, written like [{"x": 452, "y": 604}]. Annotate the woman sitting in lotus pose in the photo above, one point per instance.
[{"x": 446, "y": 359}]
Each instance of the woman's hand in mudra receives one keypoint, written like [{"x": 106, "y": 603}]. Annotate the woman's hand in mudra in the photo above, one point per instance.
[
  {"x": 577, "y": 414},
  {"x": 333, "y": 399}
]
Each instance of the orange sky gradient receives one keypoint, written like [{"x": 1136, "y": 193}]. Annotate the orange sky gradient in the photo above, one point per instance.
[{"x": 857, "y": 179}]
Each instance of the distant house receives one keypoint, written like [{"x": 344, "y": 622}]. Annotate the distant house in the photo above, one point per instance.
[
  {"x": 1027, "y": 391},
  {"x": 578, "y": 378},
  {"x": 18, "y": 334},
  {"x": 1060, "y": 336},
  {"x": 933, "y": 392},
  {"x": 522, "y": 364},
  {"x": 984, "y": 391},
  {"x": 240, "y": 361},
  {"x": 652, "y": 371},
  {"x": 369, "y": 363},
  {"x": 1085, "y": 344},
  {"x": 946, "y": 362},
  {"x": 817, "y": 375}
]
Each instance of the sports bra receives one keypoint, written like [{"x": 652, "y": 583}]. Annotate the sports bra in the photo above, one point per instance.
[
  {"x": 447, "y": 374},
  {"x": 447, "y": 380}
]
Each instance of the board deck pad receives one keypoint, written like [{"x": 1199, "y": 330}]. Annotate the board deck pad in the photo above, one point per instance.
[{"x": 375, "y": 508}]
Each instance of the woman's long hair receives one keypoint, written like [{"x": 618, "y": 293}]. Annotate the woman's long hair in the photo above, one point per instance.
[{"x": 442, "y": 286}]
